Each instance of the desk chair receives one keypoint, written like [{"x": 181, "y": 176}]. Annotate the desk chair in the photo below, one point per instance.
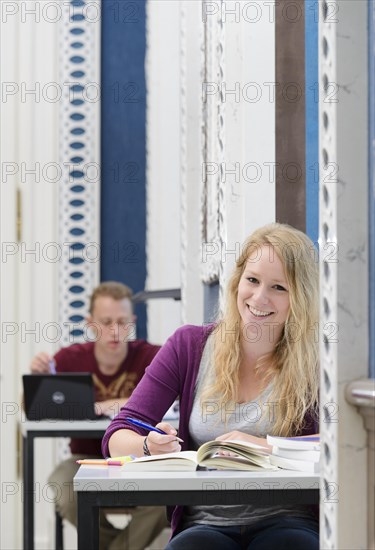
[
  {"x": 59, "y": 526},
  {"x": 59, "y": 532}
]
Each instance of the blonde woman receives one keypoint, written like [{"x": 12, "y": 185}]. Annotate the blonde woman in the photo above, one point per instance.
[{"x": 254, "y": 372}]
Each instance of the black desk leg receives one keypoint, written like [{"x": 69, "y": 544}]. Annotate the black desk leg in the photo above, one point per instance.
[
  {"x": 88, "y": 521},
  {"x": 28, "y": 492}
]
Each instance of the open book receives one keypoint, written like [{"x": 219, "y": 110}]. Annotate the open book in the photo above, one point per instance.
[{"x": 247, "y": 456}]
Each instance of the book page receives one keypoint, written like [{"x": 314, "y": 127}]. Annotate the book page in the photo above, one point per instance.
[{"x": 182, "y": 461}]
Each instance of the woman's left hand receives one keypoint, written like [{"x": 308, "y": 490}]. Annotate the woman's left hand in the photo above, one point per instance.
[{"x": 241, "y": 436}]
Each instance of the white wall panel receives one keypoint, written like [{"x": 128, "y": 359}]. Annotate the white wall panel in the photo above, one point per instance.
[
  {"x": 31, "y": 133},
  {"x": 258, "y": 98},
  {"x": 163, "y": 165},
  {"x": 10, "y": 504}
]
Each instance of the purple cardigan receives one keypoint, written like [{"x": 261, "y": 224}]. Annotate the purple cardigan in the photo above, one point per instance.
[{"x": 172, "y": 373}]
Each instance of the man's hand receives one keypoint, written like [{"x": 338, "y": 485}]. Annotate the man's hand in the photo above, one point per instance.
[
  {"x": 41, "y": 363},
  {"x": 110, "y": 407}
]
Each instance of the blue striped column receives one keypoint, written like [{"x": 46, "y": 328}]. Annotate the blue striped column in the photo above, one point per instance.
[{"x": 123, "y": 147}]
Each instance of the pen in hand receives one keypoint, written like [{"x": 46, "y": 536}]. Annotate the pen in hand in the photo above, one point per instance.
[
  {"x": 52, "y": 366},
  {"x": 149, "y": 427}
]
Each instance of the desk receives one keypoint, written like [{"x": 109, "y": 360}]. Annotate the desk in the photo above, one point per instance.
[
  {"x": 112, "y": 487},
  {"x": 85, "y": 429},
  {"x": 88, "y": 429}
]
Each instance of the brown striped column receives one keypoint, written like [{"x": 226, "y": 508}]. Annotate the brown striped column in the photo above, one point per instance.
[{"x": 290, "y": 113}]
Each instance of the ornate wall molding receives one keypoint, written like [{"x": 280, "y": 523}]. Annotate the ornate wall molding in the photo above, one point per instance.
[
  {"x": 221, "y": 156},
  {"x": 192, "y": 141},
  {"x": 213, "y": 116},
  {"x": 328, "y": 279},
  {"x": 79, "y": 60},
  {"x": 183, "y": 158}
]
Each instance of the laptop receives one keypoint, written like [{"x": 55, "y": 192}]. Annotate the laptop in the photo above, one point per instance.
[{"x": 63, "y": 396}]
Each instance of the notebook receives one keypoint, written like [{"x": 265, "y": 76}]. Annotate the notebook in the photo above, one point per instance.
[{"x": 65, "y": 396}]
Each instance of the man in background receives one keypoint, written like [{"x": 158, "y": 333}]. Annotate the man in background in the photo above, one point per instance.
[{"x": 117, "y": 365}]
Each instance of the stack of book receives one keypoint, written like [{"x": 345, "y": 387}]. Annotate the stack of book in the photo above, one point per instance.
[{"x": 295, "y": 453}]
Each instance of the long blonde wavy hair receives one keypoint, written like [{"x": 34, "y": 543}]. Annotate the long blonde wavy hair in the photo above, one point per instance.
[{"x": 293, "y": 364}]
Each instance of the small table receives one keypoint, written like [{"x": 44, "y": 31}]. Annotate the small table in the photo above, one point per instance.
[
  {"x": 31, "y": 429},
  {"x": 111, "y": 486}
]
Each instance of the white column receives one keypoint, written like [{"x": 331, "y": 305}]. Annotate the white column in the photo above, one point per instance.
[
  {"x": 344, "y": 268},
  {"x": 163, "y": 162},
  {"x": 10, "y": 505},
  {"x": 29, "y": 223}
]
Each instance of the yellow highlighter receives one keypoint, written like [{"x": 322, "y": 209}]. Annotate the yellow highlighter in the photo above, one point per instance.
[
  {"x": 113, "y": 461},
  {"x": 119, "y": 460}
]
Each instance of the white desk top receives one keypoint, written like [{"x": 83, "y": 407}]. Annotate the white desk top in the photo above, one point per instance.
[
  {"x": 60, "y": 425},
  {"x": 72, "y": 425},
  {"x": 115, "y": 478}
]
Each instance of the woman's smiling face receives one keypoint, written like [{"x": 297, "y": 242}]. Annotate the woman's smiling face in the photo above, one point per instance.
[{"x": 263, "y": 293}]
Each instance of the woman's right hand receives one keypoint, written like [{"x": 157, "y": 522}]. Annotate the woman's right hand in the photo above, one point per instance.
[
  {"x": 41, "y": 363},
  {"x": 160, "y": 443}
]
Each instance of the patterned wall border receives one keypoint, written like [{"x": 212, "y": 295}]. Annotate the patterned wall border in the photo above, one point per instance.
[
  {"x": 328, "y": 278},
  {"x": 192, "y": 145},
  {"x": 79, "y": 59},
  {"x": 213, "y": 116},
  {"x": 184, "y": 158}
]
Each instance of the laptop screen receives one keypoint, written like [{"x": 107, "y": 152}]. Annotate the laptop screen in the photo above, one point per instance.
[{"x": 65, "y": 396}]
